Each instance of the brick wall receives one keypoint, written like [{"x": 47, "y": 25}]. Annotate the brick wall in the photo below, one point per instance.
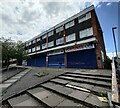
[{"x": 97, "y": 31}]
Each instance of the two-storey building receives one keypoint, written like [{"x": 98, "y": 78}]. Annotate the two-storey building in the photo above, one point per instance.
[{"x": 76, "y": 42}]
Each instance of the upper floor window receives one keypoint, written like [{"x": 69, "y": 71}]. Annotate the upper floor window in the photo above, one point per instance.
[
  {"x": 70, "y": 24},
  {"x": 29, "y": 50},
  {"x": 44, "y": 46},
  {"x": 33, "y": 49},
  {"x": 38, "y": 39},
  {"x": 38, "y": 47},
  {"x": 50, "y": 44},
  {"x": 59, "y": 29},
  {"x": 29, "y": 43},
  {"x": 50, "y": 33},
  {"x": 33, "y": 41},
  {"x": 84, "y": 17},
  {"x": 86, "y": 32},
  {"x": 60, "y": 41},
  {"x": 44, "y": 36},
  {"x": 70, "y": 37}
]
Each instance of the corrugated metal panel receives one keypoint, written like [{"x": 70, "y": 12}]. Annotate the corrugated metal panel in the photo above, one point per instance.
[
  {"x": 31, "y": 61},
  {"x": 41, "y": 60},
  {"x": 82, "y": 59},
  {"x": 56, "y": 60}
]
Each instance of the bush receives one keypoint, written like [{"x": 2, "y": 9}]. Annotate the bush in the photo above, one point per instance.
[{"x": 107, "y": 63}]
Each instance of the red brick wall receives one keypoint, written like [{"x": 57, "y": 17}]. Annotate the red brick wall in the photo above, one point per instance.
[{"x": 97, "y": 31}]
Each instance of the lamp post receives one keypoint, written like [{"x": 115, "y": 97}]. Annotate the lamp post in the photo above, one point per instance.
[{"x": 114, "y": 40}]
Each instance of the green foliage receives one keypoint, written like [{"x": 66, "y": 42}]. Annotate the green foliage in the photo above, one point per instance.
[
  {"x": 107, "y": 63},
  {"x": 40, "y": 74},
  {"x": 12, "y": 50}
]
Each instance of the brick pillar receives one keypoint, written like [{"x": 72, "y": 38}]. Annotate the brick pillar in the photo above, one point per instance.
[{"x": 65, "y": 54}]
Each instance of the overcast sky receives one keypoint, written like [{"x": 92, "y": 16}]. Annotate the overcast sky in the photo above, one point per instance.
[{"x": 24, "y": 19}]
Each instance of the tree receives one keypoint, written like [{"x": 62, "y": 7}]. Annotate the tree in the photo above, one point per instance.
[
  {"x": 8, "y": 51},
  {"x": 12, "y": 50},
  {"x": 20, "y": 52}
]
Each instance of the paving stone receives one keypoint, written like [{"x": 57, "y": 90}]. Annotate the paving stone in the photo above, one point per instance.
[
  {"x": 80, "y": 95},
  {"x": 68, "y": 103},
  {"x": 90, "y": 77},
  {"x": 5, "y": 85},
  {"x": 93, "y": 99},
  {"x": 104, "y": 83},
  {"x": 36, "y": 90},
  {"x": 101, "y": 89},
  {"x": 74, "y": 83},
  {"x": 42, "y": 94},
  {"x": 23, "y": 100},
  {"x": 10, "y": 81},
  {"x": 60, "y": 81},
  {"x": 16, "y": 77},
  {"x": 58, "y": 88},
  {"x": 53, "y": 100},
  {"x": 87, "y": 86}
]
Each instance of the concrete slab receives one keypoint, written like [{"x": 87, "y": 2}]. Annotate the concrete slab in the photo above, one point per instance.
[
  {"x": 41, "y": 95},
  {"x": 23, "y": 100},
  {"x": 11, "y": 80},
  {"x": 93, "y": 99},
  {"x": 101, "y": 89},
  {"x": 53, "y": 100},
  {"x": 87, "y": 86},
  {"x": 68, "y": 103},
  {"x": 74, "y": 83},
  {"x": 5, "y": 85},
  {"x": 58, "y": 88},
  {"x": 36, "y": 90},
  {"x": 60, "y": 81},
  {"x": 80, "y": 95},
  {"x": 103, "y": 83},
  {"x": 16, "y": 77}
]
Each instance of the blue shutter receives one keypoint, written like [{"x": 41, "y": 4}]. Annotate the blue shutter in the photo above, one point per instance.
[
  {"x": 56, "y": 60},
  {"x": 82, "y": 59}
]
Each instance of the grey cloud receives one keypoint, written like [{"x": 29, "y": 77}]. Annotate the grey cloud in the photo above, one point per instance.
[{"x": 55, "y": 8}]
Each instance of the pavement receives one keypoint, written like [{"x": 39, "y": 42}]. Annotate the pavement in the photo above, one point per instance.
[
  {"x": 61, "y": 87},
  {"x": 6, "y": 74}
]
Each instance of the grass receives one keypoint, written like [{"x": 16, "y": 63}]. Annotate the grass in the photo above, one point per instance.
[{"x": 40, "y": 74}]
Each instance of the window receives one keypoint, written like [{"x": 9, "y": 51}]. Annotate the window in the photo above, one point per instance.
[
  {"x": 29, "y": 43},
  {"x": 29, "y": 50},
  {"x": 59, "y": 29},
  {"x": 33, "y": 41},
  {"x": 44, "y": 36},
  {"x": 44, "y": 46},
  {"x": 38, "y": 39},
  {"x": 33, "y": 49},
  {"x": 50, "y": 44},
  {"x": 84, "y": 17},
  {"x": 38, "y": 47},
  {"x": 50, "y": 33},
  {"x": 70, "y": 24},
  {"x": 85, "y": 33},
  {"x": 70, "y": 37},
  {"x": 60, "y": 41}
]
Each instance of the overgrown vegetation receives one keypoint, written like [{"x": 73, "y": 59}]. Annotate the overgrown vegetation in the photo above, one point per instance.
[
  {"x": 40, "y": 74},
  {"x": 107, "y": 63}
]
